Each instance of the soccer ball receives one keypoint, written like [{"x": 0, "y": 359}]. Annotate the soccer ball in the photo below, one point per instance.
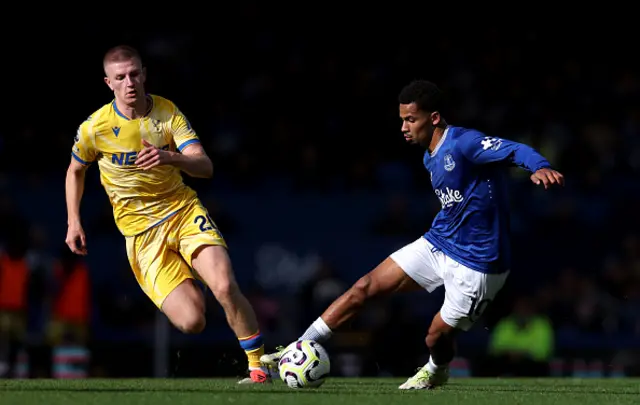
[{"x": 304, "y": 364}]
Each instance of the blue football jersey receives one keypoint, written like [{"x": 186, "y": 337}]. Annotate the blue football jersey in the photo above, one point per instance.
[{"x": 469, "y": 177}]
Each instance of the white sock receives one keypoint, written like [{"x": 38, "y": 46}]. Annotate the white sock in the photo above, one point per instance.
[
  {"x": 433, "y": 368},
  {"x": 318, "y": 331}
]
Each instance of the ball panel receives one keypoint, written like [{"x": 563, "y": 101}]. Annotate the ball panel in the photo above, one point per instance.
[{"x": 304, "y": 364}]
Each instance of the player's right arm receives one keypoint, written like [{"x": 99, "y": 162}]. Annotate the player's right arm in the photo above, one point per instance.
[{"x": 82, "y": 154}]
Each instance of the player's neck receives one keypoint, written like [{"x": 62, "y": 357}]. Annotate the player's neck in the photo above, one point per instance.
[
  {"x": 438, "y": 133},
  {"x": 137, "y": 110}
]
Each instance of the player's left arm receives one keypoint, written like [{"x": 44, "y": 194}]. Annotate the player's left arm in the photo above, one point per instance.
[
  {"x": 191, "y": 157},
  {"x": 481, "y": 149}
]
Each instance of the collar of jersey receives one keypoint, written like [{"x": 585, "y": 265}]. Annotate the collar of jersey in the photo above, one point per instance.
[
  {"x": 444, "y": 136},
  {"x": 120, "y": 114}
]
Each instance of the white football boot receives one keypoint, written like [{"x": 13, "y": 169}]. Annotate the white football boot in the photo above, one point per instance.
[
  {"x": 272, "y": 360},
  {"x": 424, "y": 380}
]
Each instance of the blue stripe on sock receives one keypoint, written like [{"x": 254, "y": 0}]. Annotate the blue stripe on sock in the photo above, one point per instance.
[{"x": 251, "y": 344}]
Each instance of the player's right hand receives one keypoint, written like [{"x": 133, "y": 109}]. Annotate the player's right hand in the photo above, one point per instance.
[{"x": 76, "y": 240}]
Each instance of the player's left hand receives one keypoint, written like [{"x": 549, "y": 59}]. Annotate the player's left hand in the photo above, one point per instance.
[
  {"x": 151, "y": 156},
  {"x": 547, "y": 177}
]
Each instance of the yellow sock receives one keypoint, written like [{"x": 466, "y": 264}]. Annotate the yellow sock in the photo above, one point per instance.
[
  {"x": 254, "y": 357},
  {"x": 254, "y": 348}
]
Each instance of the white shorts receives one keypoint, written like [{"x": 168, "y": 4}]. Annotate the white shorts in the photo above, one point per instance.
[{"x": 467, "y": 292}]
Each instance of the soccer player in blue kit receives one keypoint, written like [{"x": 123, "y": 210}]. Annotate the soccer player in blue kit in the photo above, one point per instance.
[{"x": 467, "y": 248}]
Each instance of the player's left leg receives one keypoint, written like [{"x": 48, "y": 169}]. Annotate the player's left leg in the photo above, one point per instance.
[
  {"x": 165, "y": 277},
  {"x": 467, "y": 295},
  {"x": 202, "y": 245},
  {"x": 441, "y": 343}
]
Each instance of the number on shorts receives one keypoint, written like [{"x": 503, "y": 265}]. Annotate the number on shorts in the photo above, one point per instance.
[
  {"x": 206, "y": 223},
  {"x": 477, "y": 308}
]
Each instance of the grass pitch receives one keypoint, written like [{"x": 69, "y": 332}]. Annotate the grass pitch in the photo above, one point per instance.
[{"x": 352, "y": 391}]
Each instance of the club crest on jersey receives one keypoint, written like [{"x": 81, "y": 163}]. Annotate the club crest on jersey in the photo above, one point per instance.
[
  {"x": 156, "y": 125},
  {"x": 449, "y": 163}
]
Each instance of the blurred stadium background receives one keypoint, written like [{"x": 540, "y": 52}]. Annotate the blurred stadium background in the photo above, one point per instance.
[{"x": 314, "y": 185}]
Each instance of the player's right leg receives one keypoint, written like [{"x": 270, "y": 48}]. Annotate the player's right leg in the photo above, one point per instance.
[
  {"x": 185, "y": 308},
  {"x": 408, "y": 269},
  {"x": 166, "y": 278}
]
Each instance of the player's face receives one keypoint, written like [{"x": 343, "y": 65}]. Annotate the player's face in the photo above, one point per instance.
[
  {"x": 418, "y": 125},
  {"x": 126, "y": 79}
]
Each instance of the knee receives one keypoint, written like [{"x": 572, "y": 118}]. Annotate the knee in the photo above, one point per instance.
[
  {"x": 191, "y": 322},
  {"x": 184, "y": 307},
  {"x": 225, "y": 290},
  {"x": 361, "y": 290}
]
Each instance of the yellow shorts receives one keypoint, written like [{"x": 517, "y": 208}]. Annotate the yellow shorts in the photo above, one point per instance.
[{"x": 160, "y": 257}]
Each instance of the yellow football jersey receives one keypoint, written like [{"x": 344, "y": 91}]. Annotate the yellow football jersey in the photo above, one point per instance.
[{"x": 140, "y": 199}]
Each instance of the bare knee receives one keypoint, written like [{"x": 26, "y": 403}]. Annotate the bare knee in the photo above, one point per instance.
[
  {"x": 225, "y": 290},
  {"x": 185, "y": 308},
  {"x": 224, "y": 286},
  {"x": 191, "y": 322},
  {"x": 214, "y": 266}
]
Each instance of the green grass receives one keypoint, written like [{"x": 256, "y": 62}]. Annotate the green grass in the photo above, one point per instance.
[{"x": 351, "y": 391}]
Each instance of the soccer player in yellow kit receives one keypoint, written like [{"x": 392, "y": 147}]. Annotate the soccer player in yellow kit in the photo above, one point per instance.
[{"x": 141, "y": 143}]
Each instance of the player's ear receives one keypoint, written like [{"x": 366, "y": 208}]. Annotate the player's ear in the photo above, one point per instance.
[
  {"x": 108, "y": 82},
  {"x": 435, "y": 118},
  {"x": 144, "y": 74}
]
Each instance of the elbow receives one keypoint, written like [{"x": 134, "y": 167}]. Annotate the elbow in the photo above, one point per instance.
[
  {"x": 207, "y": 173},
  {"x": 75, "y": 170}
]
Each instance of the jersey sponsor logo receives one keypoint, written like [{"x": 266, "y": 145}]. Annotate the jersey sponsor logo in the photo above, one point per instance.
[
  {"x": 491, "y": 143},
  {"x": 448, "y": 197},
  {"x": 124, "y": 158},
  {"x": 128, "y": 158},
  {"x": 116, "y": 131}
]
